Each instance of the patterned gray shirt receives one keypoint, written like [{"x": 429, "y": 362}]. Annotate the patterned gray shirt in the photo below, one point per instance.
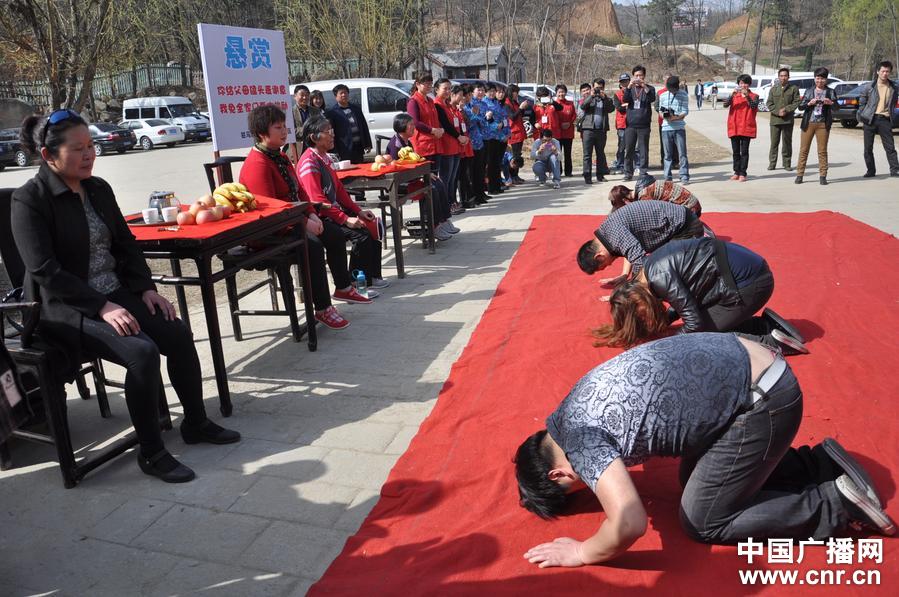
[
  {"x": 639, "y": 228},
  {"x": 101, "y": 274},
  {"x": 662, "y": 398}
]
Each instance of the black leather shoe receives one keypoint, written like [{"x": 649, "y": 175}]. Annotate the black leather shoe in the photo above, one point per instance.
[
  {"x": 823, "y": 180},
  {"x": 782, "y": 324},
  {"x": 772, "y": 167},
  {"x": 601, "y": 179},
  {"x": 798, "y": 180},
  {"x": 850, "y": 466},
  {"x": 209, "y": 433},
  {"x": 588, "y": 181},
  {"x": 894, "y": 174},
  {"x": 869, "y": 174},
  {"x": 163, "y": 465}
]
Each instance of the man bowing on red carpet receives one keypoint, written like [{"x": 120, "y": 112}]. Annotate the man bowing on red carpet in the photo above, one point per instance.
[{"x": 729, "y": 408}]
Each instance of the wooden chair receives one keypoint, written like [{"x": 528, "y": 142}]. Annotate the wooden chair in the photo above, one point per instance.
[
  {"x": 39, "y": 364},
  {"x": 278, "y": 268}
]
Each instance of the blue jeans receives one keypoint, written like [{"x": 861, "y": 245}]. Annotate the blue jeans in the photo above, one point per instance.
[
  {"x": 449, "y": 174},
  {"x": 551, "y": 163},
  {"x": 749, "y": 482},
  {"x": 678, "y": 140}
]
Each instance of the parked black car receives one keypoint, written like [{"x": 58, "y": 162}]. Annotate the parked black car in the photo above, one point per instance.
[
  {"x": 11, "y": 151},
  {"x": 111, "y": 137}
]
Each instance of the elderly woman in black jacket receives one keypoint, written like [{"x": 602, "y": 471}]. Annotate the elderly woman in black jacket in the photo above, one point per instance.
[
  {"x": 817, "y": 118},
  {"x": 96, "y": 294},
  {"x": 713, "y": 286}
]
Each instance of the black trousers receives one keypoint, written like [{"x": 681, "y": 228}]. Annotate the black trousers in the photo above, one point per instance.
[
  {"x": 740, "y": 147},
  {"x": 331, "y": 244},
  {"x": 478, "y": 170},
  {"x": 880, "y": 126},
  {"x": 495, "y": 151},
  {"x": 516, "y": 154},
  {"x": 739, "y": 317},
  {"x": 594, "y": 142},
  {"x": 365, "y": 254},
  {"x": 139, "y": 354},
  {"x": 632, "y": 138},
  {"x": 566, "y": 152},
  {"x": 466, "y": 184}
]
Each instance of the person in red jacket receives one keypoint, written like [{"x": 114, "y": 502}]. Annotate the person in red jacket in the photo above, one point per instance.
[
  {"x": 514, "y": 107},
  {"x": 336, "y": 207},
  {"x": 426, "y": 140},
  {"x": 741, "y": 128},
  {"x": 547, "y": 111},
  {"x": 451, "y": 144},
  {"x": 566, "y": 117},
  {"x": 267, "y": 171},
  {"x": 620, "y": 121}
]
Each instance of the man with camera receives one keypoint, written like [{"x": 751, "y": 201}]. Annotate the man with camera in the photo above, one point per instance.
[
  {"x": 593, "y": 122},
  {"x": 674, "y": 107},
  {"x": 638, "y": 97}
]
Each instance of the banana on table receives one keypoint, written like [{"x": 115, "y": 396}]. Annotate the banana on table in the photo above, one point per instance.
[{"x": 234, "y": 195}]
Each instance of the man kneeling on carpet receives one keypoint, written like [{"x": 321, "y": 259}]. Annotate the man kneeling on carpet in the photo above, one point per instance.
[
  {"x": 730, "y": 409},
  {"x": 714, "y": 286},
  {"x": 632, "y": 231}
]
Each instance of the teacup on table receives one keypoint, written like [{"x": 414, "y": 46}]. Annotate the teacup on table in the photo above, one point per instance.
[{"x": 170, "y": 214}]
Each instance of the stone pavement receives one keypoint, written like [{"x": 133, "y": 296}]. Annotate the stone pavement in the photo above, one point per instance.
[{"x": 322, "y": 430}]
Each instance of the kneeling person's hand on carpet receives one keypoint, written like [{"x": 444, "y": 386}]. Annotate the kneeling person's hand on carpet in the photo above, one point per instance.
[{"x": 563, "y": 551}]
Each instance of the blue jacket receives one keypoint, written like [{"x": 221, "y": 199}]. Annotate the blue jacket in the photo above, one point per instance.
[
  {"x": 477, "y": 124},
  {"x": 498, "y": 127},
  {"x": 343, "y": 133}
]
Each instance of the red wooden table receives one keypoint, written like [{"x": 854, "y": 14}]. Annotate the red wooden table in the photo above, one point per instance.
[{"x": 201, "y": 243}]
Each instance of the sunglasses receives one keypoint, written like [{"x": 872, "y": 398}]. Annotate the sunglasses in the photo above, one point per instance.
[{"x": 56, "y": 117}]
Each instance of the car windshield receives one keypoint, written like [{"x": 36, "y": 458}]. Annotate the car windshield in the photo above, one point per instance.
[
  {"x": 105, "y": 126},
  {"x": 405, "y": 86},
  {"x": 178, "y": 110},
  {"x": 157, "y": 122}
]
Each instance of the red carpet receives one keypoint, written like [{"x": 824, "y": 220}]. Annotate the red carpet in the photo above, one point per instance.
[{"x": 448, "y": 521}]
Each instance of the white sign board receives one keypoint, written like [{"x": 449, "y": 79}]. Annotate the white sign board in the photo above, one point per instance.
[{"x": 243, "y": 68}]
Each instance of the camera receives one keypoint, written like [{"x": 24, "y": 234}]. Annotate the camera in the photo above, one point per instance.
[{"x": 666, "y": 112}]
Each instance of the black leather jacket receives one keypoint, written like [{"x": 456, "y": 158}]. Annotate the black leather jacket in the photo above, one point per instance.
[{"x": 688, "y": 275}]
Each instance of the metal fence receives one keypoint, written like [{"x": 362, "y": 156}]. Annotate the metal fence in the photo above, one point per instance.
[{"x": 125, "y": 83}]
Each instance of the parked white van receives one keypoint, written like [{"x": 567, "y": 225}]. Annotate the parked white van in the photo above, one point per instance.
[
  {"x": 380, "y": 99},
  {"x": 174, "y": 109}
]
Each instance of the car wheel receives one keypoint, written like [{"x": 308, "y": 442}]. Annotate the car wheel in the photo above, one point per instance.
[
  {"x": 98, "y": 150},
  {"x": 169, "y": 144},
  {"x": 849, "y": 124},
  {"x": 22, "y": 159},
  {"x": 121, "y": 150},
  {"x": 146, "y": 144}
]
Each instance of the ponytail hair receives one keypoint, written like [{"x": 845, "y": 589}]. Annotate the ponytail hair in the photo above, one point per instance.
[
  {"x": 637, "y": 315},
  {"x": 37, "y": 132}
]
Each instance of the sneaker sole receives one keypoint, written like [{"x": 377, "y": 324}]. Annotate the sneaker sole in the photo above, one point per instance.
[
  {"x": 351, "y": 300},
  {"x": 331, "y": 327},
  {"x": 782, "y": 323},
  {"x": 851, "y": 467},
  {"x": 876, "y": 517},
  {"x": 787, "y": 340}
]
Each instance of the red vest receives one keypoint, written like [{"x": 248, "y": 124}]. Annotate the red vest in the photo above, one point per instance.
[
  {"x": 569, "y": 115},
  {"x": 425, "y": 144},
  {"x": 516, "y": 130},
  {"x": 467, "y": 149},
  {"x": 547, "y": 117},
  {"x": 741, "y": 117},
  {"x": 620, "y": 118},
  {"x": 447, "y": 143}
]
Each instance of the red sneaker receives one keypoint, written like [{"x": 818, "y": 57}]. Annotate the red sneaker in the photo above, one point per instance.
[
  {"x": 735, "y": 177},
  {"x": 332, "y": 319},
  {"x": 351, "y": 296}
]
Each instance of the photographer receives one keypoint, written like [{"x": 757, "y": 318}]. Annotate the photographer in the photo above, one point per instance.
[
  {"x": 545, "y": 152},
  {"x": 743, "y": 106},
  {"x": 674, "y": 107},
  {"x": 593, "y": 119},
  {"x": 638, "y": 98}
]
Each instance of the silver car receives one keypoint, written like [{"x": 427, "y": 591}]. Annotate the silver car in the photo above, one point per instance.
[{"x": 153, "y": 131}]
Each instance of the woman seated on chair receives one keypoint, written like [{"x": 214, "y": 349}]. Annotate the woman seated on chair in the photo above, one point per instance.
[
  {"x": 337, "y": 209},
  {"x": 268, "y": 171},
  {"x": 404, "y": 127},
  {"x": 84, "y": 267}
]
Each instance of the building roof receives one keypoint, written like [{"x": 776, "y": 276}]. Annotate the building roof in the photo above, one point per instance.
[{"x": 470, "y": 57}]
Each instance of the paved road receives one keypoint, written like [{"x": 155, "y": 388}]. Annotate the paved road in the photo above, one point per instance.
[
  {"x": 734, "y": 61},
  {"x": 321, "y": 430}
]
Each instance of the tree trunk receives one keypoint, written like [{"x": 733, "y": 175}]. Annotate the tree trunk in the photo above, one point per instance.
[
  {"x": 639, "y": 30},
  {"x": 758, "y": 36}
]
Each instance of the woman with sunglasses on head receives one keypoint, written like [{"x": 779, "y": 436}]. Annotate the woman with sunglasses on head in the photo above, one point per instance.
[{"x": 85, "y": 268}]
